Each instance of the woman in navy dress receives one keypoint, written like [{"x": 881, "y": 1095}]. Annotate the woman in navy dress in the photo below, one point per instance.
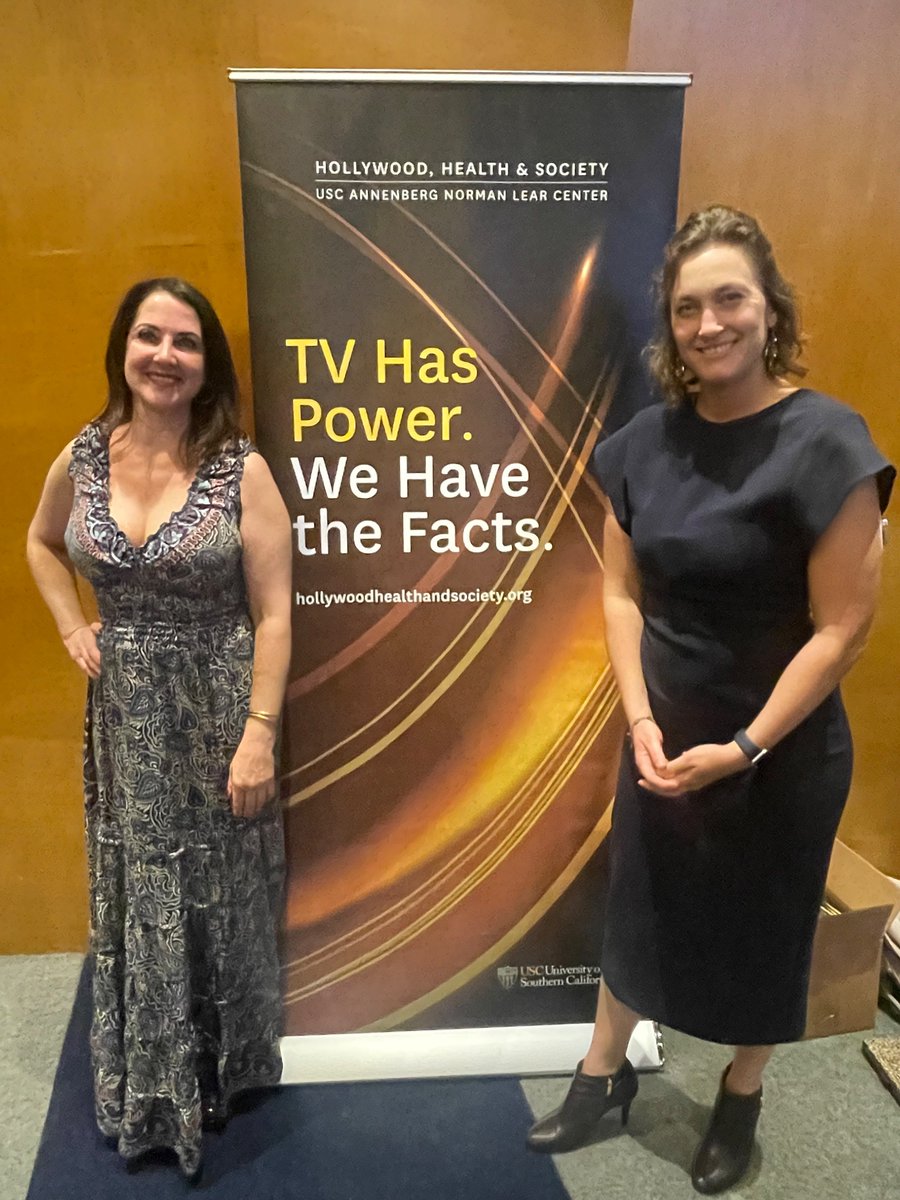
[{"x": 742, "y": 545}]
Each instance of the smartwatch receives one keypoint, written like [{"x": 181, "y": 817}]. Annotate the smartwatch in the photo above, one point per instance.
[{"x": 749, "y": 747}]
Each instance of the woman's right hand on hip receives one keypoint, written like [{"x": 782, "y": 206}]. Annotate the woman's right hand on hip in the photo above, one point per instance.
[{"x": 83, "y": 649}]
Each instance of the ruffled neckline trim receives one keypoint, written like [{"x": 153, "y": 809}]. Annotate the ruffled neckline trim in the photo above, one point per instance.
[{"x": 210, "y": 477}]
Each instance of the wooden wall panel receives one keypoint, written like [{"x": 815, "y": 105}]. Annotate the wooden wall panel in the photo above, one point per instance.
[
  {"x": 793, "y": 116},
  {"x": 573, "y": 35},
  {"x": 119, "y": 155}
]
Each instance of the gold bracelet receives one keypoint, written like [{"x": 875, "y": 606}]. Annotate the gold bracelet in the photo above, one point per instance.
[
  {"x": 263, "y": 716},
  {"x": 645, "y": 717},
  {"x": 83, "y": 625}
]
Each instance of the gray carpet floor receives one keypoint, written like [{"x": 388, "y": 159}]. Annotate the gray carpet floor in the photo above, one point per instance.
[
  {"x": 829, "y": 1129},
  {"x": 36, "y": 993}
]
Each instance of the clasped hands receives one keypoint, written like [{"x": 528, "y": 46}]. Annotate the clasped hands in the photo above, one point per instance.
[{"x": 696, "y": 768}]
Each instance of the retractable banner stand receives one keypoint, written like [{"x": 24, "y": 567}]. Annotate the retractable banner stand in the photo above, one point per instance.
[{"x": 449, "y": 288}]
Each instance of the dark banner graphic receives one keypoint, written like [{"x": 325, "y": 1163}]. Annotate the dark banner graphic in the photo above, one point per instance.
[{"x": 449, "y": 290}]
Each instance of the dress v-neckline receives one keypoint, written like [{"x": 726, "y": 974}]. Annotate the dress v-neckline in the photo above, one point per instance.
[{"x": 173, "y": 516}]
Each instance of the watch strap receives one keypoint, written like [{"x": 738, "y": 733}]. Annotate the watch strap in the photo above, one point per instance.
[{"x": 747, "y": 745}]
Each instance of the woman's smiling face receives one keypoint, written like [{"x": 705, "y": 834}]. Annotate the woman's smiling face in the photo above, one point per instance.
[
  {"x": 720, "y": 317},
  {"x": 164, "y": 359}
]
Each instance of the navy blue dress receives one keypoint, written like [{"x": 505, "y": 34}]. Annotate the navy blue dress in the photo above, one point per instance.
[{"x": 714, "y": 897}]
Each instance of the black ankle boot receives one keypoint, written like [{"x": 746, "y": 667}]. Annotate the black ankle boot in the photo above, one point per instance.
[
  {"x": 723, "y": 1156},
  {"x": 577, "y": 1119},
  {"x": 213, "y": 1110},
  {"x": 214, "y": 1114}
]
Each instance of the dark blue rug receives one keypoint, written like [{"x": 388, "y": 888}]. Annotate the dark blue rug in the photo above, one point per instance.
[{"x": 421, "y": 1140}]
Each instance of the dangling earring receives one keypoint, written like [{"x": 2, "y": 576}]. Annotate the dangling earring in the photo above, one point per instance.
[
  {"x": 681, "y": 372},
  {"x": 770, "y": 353}
]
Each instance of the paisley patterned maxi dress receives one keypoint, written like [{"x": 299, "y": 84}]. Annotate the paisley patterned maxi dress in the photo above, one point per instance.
[{"x": 185, "y": 897}]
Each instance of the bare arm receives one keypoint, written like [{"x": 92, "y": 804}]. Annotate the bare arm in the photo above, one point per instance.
[
  {"x": 52, "y": 571},
  {"x": 624, "y": 627},
  {"x": 844, "y": 574},
  {"x": 844, "y": 577},
  {"x": 265, "y": 533}
]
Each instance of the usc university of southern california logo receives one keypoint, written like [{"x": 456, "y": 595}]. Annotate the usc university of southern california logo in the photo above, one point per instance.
[{"x": 508, "y": 977}]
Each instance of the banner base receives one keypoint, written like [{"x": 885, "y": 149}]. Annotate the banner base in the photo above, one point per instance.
[{"x": 443, "y": 1053}]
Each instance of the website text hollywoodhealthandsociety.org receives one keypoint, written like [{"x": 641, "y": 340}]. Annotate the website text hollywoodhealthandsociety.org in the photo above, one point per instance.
[{"x": 413, "y": 596}]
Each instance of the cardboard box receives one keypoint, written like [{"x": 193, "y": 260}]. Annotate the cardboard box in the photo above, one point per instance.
[{"x": 846, "y": 962}]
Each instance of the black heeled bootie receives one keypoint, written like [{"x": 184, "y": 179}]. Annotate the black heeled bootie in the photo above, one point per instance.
[
  {"x": 723, "y": 1156},
  {"x": 213, "y": 1113},
  {"x": 577, "y": 1119},
  {"x": 213, "y": 1109}
]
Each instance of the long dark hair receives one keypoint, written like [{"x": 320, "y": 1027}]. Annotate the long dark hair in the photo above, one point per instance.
[
  {"x": 719, "y": 223},
  {"x": 214, "y": 420}
]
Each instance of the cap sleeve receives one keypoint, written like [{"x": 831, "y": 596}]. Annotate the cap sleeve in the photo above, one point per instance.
[
  {"x": 88, "y": 453},
  {"x": 219, "y": 478},
  {"x": 608, "y": 466},
  {"x": 840, "y": 455}
]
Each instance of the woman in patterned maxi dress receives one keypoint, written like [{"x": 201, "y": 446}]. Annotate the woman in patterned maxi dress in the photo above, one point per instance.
[
  {"x": 175, "y": 521},
  {"x": 742, "y": 545}
]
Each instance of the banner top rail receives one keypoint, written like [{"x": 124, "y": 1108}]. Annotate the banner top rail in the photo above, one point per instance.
[{"x": 322, "y": 75}]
